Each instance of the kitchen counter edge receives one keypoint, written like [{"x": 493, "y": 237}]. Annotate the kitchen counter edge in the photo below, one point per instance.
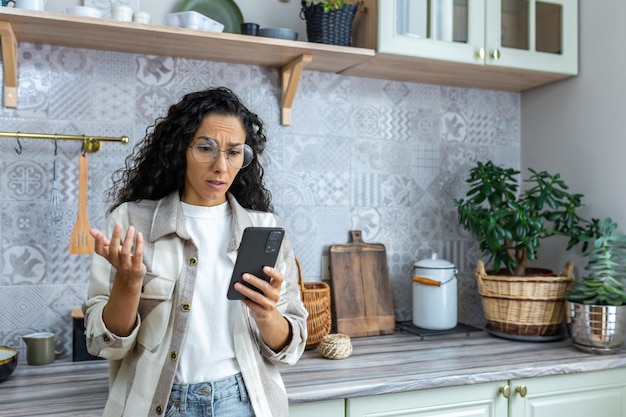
[{"x": 378, "y": 365}]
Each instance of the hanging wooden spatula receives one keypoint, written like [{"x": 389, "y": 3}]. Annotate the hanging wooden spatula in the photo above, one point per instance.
[{"x": 81, "y": 242}]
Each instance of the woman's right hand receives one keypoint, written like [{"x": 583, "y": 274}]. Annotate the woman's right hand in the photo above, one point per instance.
[
  {"x": 128, "y": 263},
  {"x": 120, "y": 313}
]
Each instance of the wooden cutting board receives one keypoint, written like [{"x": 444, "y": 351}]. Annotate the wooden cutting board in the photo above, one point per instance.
[{"x": 361, "y": 290}]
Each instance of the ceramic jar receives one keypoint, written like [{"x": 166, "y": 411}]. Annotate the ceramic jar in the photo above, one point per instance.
[{"x": 434, "y": 294}]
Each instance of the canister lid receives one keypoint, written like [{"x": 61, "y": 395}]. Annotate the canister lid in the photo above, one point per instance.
[{"x": 434, "y": 263}]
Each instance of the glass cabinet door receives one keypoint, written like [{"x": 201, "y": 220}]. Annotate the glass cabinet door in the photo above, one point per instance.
[
  {"x": 438, "y": 29},
  {"x": 537, "y": 35},
  {"x": 516, "y": 31},
  {"x": 533, "y": 34},
  {"x": 440, "y": 20}
]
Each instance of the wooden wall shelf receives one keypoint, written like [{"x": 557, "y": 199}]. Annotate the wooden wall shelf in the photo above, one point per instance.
[
  {"x": 9, "y": 64},
  {"x": 105, "y": 34}
]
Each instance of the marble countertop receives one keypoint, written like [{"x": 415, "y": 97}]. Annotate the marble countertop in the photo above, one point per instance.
[{"x": 378, "y": 364}]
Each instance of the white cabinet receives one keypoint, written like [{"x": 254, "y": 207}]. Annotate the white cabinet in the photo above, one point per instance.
[
  {"x": 538, "y": 35},
  {"x": 598, "y": 393},
  {"x": 479, "y": 400},
  {"x": 511, "y": 45},
  {"x": 330, "y": 408}
]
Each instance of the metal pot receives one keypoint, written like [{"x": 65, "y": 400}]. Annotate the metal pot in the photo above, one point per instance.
[
  {"x": 434, "y": 294},
  {"x": 597, "y": 328}
]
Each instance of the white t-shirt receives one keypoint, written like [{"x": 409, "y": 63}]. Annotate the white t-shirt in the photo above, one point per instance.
[{"x": 208, "y": 352}]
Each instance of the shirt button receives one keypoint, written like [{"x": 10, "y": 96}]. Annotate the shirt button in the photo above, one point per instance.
[
  {"x": 193, "y": 261},
  {"x": 173, "y": 356},
  {"x": 186, "y": 306},
  {"x": 106, "y": 338},
  {"x": 159, "y": 409}
]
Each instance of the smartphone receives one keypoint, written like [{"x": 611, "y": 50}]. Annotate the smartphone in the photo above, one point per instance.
[{"x": 259, "y": 247}]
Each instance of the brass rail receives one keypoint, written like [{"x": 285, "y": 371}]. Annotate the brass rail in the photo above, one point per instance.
[{"x": 90, "y": 143}]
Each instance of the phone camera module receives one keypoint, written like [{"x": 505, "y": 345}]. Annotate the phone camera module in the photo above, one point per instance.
[{"x": 273, "y": 242}]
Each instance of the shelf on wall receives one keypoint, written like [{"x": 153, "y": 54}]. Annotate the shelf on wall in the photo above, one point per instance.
[
  {"x": 9, "y": 64},
  {"x": 110, "y": 35}
]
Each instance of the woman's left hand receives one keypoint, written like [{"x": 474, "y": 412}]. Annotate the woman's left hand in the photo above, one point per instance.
[{"x": 274, "y": 328}]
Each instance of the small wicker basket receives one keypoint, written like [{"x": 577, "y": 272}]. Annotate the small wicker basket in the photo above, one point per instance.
[
  {"x": 333, "y": 27},
  {"x": 524, "y": 305},
  {"x": 316, "y": 300}
]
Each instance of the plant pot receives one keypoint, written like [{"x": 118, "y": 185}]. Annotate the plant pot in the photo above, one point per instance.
[
  {"x": 333, "y": 27},
  {"x": 596, "y": 328},
  {"x": 524, "y": 305}
]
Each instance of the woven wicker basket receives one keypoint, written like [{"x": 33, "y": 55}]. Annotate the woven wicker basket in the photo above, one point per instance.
[
  {"x": 316, "y": 300},
  {"x": 524, "y": 306},
  {"x": 333, "y": 27}
]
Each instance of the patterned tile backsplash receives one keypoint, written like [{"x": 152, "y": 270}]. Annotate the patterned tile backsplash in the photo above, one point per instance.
[{"x": 384, "y": 157}]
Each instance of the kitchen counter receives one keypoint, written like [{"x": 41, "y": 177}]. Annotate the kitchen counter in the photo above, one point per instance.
[{"x": 379, "y": 364}]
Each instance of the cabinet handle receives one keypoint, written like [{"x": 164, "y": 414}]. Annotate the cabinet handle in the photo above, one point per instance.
[
  {"x": 521, "y": 390},
  {"x": 505, "y": 391},
  {"x": 481, "y": 53},
  {"x": 495, "y": 54}
]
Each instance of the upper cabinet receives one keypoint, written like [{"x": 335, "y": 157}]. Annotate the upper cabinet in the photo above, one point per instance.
[{"x": 499, "y": 44}]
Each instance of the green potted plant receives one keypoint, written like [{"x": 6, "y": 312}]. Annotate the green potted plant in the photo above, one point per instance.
[
  {"x": 596, "y": 304},
  {"x": 510, "y": 225},
  {"x": 329, "y": 5},
  {"x": 329, "y": 21}
]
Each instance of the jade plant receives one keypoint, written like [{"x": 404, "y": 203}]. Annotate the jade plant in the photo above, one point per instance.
[
  {"x": 604, "y": 283},
  {"x": 510, "y": 224}
]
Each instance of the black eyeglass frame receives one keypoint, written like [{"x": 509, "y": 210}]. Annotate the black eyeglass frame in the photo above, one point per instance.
[{"x": 248, "y": 153}]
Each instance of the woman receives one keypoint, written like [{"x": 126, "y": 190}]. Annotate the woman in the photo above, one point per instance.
[{"x": 157, "y": 306}]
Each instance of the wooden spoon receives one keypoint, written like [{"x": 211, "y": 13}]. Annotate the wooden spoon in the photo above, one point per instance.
[{"x": 81, "y": 242}]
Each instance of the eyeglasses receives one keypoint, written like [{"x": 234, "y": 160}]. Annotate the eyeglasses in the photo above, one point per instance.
[{"x": 206, "y": 150}]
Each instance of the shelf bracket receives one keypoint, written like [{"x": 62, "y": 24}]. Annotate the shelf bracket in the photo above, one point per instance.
[
  {"x": 290, "y": 79},
  {"x": 9, "y": 63}
]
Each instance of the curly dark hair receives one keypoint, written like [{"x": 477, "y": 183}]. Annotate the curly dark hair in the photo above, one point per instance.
[{"x": 158, "y": 163}]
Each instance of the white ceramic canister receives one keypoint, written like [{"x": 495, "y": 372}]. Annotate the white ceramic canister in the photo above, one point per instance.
[
  {"x": 434, "y": 294},
  {"x": 122, "y": 13},
  {"x": 141, "y": 17}
]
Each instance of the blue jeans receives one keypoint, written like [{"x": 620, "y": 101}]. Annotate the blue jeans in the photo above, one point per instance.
[{"x": 225, "y": 398}]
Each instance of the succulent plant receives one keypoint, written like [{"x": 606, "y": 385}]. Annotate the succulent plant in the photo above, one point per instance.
[{"x": 605, "y": 281}]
